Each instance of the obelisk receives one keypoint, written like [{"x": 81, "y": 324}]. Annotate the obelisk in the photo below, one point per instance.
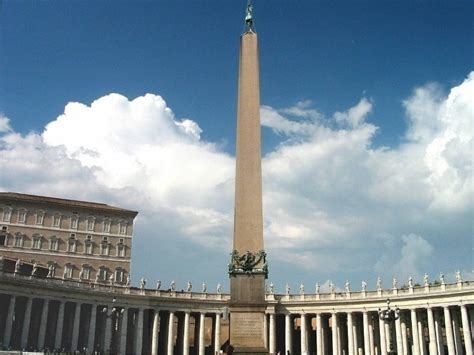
[{"x": 248, "y": 268}]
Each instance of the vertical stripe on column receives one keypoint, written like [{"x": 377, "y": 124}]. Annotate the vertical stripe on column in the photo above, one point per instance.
[
  {"x": 59, "y": 325},
  {"x": 365, "y": 321},
  {"x": 350, "y": 334},
  {"x": 272, "y": 335},
  {"x": 449, "y": 331},
  {"x": 155, "y": 332},
  {"x": 456, "y": 332},
  {"x": 26, "y": 323},
  {"x": 9, "y": 322},
  {"x": 202, "y": 325},
  {"x": 75, "y": 328},
  {"x": 383, "y": 338},
  {"x": 217, "y": 334},
  {"x": 414, "y": 333},
  {"x": 123, "y": 331},
  {"x": 43, "y": 324},
  {"x": 107, "y": 330},
  {"x": 265, "y": 331},
  {"x": 319, "y": 335},
  {"x": 431, "y": 331},
  {"x": 466, "y": 330},
  {"x": 139, "y": 333},
  {"x": 439, "y": 332},
  {"x": 91, "y": 337},
  {"x": 371, "y": 336},
  {"x": 403, "y": 325},
  {"x": 398, "y": 336},
  {"x": 421, "y": 337},
  {"x": 288, "y": 334},
  {"x": 170, "y": 337}
]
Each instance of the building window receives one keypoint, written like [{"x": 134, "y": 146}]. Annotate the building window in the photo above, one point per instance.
[
  {"x": 39, "y": 218},
  {"x": 74, "y": 221},
  {"x": 120, "y": 250},
  {"x": 90, "y": 223},
  {"x": 119, "y": 276},
  {"x": 57, "y": 220},
  {"x": 71, "y": 245},
  {"x": 7, "y": 214},
  {"x": 88, "y": 247},
  {"x": 123, "y": 228},
  {"x": 3, "y": 239},
  {"x": 104, "y": 248},
  {"x": 19, "y": 240},
  {"x": 102, "y": 275},
  {"x": 51, "y": 268},
  {"x": 106, "y": 226},
  {"x": 37, "y": 241},
  {"x": 53, "y": 244},
  {"x": 67, "y": 271},
  {"x": 85, "y": 273},
  {"x": 22, "y": 216}
]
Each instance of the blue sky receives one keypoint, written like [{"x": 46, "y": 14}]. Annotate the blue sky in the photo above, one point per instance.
[{"x": 320, "y": 57}]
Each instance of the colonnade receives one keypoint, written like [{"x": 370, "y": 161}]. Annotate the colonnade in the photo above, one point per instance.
[
  {"x": 427, "y": 330},
  {"x": 58, "y": 324}
]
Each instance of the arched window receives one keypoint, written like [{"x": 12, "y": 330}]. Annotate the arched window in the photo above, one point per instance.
[
  {"x": 68, "y": 271},
  {"x": 53, "y": 243},
  {"x": 19, "y": 240},
  {"x": 37, "y": 241}
]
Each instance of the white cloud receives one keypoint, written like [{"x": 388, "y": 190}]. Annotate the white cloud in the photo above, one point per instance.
[{"x": 334, "y": 206}]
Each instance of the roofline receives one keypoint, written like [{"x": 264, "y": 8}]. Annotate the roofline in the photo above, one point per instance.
[{"x": 15, "y": 196}]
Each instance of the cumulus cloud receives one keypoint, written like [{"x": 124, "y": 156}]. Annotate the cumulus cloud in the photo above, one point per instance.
[{"x": 334, "y": 206}]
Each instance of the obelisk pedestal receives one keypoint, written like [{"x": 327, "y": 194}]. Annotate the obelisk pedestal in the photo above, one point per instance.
[{"x": 248, "y": 268}]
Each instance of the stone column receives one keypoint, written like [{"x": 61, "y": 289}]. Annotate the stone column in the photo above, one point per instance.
[
  {"x": 421, "y": 337},
  {"x": 334, "y": 333},
  {"x": 303, "y": 334},
  {"x": 365, "y": 320},
  {"x": 403, "y": 325},
  {"x": 288, "y": 334},
  {"x": 383, "y": 338},
  {"x": 26, "y": 323},
  {"x": 319, "y": 335},
  {"x": 217, "y": 334},
  {"x": 9, "y": 322},
  {"x": 431, "y": 331},
  {"x": 388, "y": 336},
  {"x": 272, "y": 335},
  {"x": 107, "y": 330},
  {"x": 186, "y": 333},
  {"x": 449, "y": 331},
  {"x": 169, "y": 344},
  {"x": 91, "y": 338},
  {"x": 123, "y": 332},
  {"x": 139, "y": 333},
  {"x": 75, "y": 328},
  {"x": 350, "y": 334},
  {"x": 155, "y": 332},
  {"x": 398, "y": 336},
  {"x": 43, "y": 324},
  {"x": 439, "y": 333},
  {"x": 414, "y": 333},
  {"x": 456, "y": 332},
  {"x": 371, "y": 336},
  {"x": 202, "y": 325},
  {"x": 265, "y": 331},
  {"x": 59, "y": 325},
  {"x": 466, "y": 330}
]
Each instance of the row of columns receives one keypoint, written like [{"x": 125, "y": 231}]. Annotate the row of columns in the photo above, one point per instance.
[
  {"x": 117, "y": 327},
  {"x": 411, "y": 334}
]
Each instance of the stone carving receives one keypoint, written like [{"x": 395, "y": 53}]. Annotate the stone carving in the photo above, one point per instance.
[
  {"x": 410, "y": 282},
  {"x": 173, "y": 286},
  {"x": 287, "y": 289},
  {"x": 158, "y": 285},
  {"x": 248, "y": 263},
  {"x": 318, "y": 288},
  {"x": 204, "y": 287},
  {"x": 97, "y": 278},
  {"x": 394, "y": 283},
  {"x": 17, "y": 266},
  {"x": 426, "y": 281},
  {"x": 142, "y": 283},
  {"x": 51, "y": 270},
  {"x": 458, "y": 277},
  {"x": 332, "y": 288},
  {"x": 111, "y": 279},
  {"x": 301, "y": 289},
  {"x": 34, "y": 272},
  {"x": 271, "y": 288},
  {"x": 219, "y": 288},
  {"x": 441, "y": 279},
  {"x": 364, "y": 286},
  {"x": 379, "y": 284},
  {"x": 81, "y": 274},
  {"x": 347, "y": 286},
  {"x": 129, "y": 280},
  {"x": 189, "y": 287}
]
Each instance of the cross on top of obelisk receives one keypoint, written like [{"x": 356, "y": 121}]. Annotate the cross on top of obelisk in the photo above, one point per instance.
[{"x": 249, "y": 27}]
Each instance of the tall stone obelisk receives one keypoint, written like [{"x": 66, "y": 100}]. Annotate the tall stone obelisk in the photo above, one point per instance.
[{"x": 248, "y": 269}]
